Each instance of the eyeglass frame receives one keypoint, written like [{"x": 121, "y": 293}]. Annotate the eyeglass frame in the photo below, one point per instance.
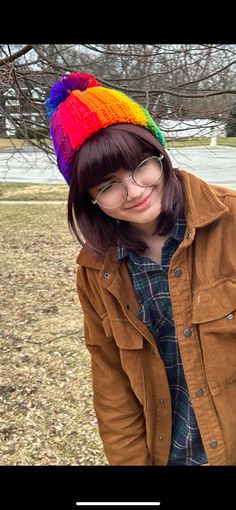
[{"x": 94, "y": 201}]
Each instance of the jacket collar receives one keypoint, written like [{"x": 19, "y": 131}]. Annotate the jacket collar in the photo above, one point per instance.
[{"x": 202, "y": 207}]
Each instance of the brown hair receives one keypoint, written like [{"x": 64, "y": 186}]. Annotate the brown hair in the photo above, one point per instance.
[{"x": 110, "y": 149}]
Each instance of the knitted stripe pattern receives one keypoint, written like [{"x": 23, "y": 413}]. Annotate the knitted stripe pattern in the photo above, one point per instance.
[{"x": 77, "y": 114}]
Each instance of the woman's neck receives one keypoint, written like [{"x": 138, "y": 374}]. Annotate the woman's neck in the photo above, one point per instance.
[{"x": 146, "y": 230}]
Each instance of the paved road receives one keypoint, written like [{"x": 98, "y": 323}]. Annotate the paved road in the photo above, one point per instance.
[
  {"x": 28, "y": 165},
  {"x": 214, "y": 165}
]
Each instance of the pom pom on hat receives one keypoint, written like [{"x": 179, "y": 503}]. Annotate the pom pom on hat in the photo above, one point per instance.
[
  {"x": 79, "y": 106},
  {"x": 62, "y": 89}
]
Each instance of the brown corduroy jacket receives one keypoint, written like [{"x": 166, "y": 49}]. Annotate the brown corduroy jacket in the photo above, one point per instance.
[{"x": 131, "y": 393}]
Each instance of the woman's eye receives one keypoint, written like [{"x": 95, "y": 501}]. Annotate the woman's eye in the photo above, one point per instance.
[
  {"x": 143, "y": 164},
  {"x": 109, "y": 186}
]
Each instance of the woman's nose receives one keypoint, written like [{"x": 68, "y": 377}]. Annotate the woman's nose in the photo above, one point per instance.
[{"x": 133, "y": 190}]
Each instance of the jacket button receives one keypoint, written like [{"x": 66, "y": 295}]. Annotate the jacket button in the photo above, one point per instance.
[
  {"x": 188, "y": 332},
  {"x": 106, "y": 275},
  {"x": 161, "y": 438},
  {"x": 214, "y": 443},
  {"x": 199, "y": 392},
  {"x": 161, "y": 400},
  {"x": 178, "y": 272},
  {"x": 230, "y": 316}
]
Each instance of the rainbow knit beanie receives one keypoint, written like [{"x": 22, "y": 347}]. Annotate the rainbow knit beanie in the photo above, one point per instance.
[{"x": 79, "y": 106}]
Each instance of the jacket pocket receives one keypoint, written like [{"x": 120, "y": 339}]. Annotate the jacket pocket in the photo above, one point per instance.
[
  {"x": 125, "y": 335},
  {"x": 130, "y": 344},
  {"x": 214, "y": 313}
]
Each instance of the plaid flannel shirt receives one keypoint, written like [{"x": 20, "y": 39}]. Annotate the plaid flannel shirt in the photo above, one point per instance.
[{"x": 150, "y": 282}]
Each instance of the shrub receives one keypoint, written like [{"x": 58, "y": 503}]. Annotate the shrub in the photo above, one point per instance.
[{"x": 231, "y": 124}]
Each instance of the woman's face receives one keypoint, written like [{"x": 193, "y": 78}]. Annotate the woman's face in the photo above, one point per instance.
[{"x": 142, "y": 205}]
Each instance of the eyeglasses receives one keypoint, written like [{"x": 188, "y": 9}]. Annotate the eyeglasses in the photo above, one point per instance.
[{"x": 147, "y": 173}]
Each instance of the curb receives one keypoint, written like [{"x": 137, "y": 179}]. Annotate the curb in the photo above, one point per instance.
[{"x": 50, "y": 202}]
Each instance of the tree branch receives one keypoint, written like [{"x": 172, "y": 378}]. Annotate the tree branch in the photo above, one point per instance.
[{"x": 16, "y": 55}]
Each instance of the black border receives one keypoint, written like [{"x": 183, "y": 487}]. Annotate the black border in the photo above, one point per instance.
[
  {"x": 60, "y": 487},
  {"x": 117, "y": 23}
]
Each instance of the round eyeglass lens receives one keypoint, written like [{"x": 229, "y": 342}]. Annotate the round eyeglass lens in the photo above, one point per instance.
[
  {"x": 112, "y": 196},
  {"x": 148, "y": 172}
]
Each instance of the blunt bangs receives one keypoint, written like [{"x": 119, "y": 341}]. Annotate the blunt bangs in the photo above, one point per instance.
[{"x": 108, "y": 151}]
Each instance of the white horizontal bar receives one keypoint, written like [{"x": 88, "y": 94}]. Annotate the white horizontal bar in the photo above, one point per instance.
[{"x": 118, "y": 503}]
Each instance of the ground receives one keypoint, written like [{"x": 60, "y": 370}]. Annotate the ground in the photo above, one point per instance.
[{"x": 47, "y": 415}]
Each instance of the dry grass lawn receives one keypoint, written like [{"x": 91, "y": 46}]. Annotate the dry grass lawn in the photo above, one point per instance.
[
  {"x": 38, "y": 192},
  {"x": 46, "y": 408}
]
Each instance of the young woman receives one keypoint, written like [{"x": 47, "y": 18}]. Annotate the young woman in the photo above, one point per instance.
[{"x": 156, "y": 280}]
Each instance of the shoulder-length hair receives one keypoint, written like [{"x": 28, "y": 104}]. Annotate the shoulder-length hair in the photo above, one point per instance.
[{"x": 110, "y": 149}]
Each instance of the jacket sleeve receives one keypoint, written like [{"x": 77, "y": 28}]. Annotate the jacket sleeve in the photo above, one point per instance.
[{"x": 119, "y": 413}]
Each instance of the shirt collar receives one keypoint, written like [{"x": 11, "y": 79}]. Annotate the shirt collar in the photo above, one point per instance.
[{"x": 177, "y": 233}]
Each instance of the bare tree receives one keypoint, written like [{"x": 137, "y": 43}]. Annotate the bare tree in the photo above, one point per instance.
[{"x": 177, "y": 82}]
